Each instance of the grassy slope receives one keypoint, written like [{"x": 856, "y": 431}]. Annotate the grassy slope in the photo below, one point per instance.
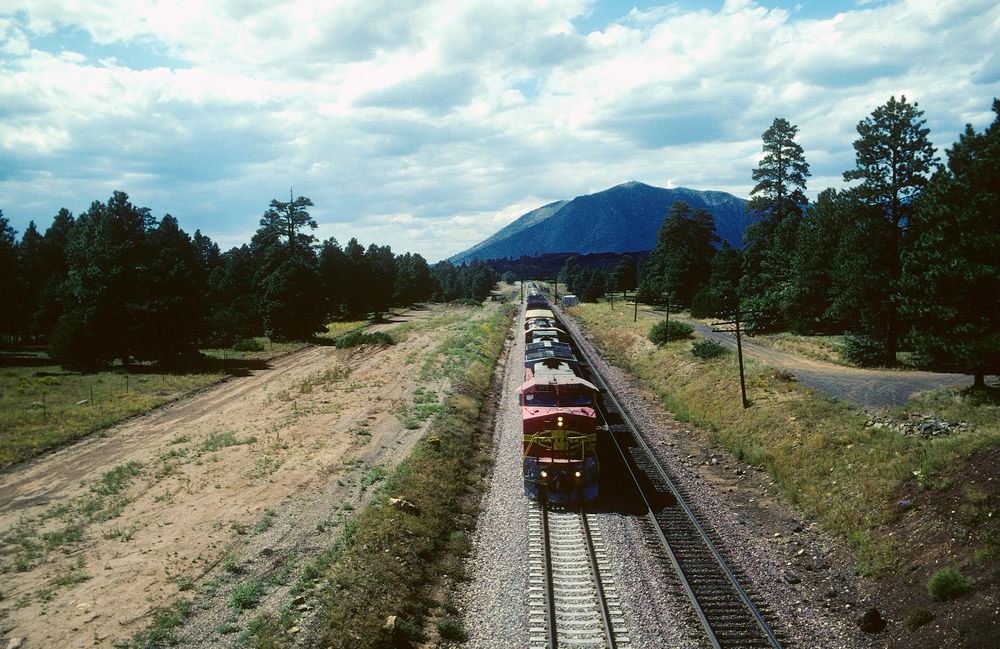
[
  {"x": 390, "y": 558},
  {"x": 837, "y": 470}
]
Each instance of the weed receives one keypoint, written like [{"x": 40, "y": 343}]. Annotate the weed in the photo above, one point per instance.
[
  {"x": 180, "y": 439},
  {"x": 265, "y": 521},
  {"x": 264, "y": 467},
  {"x": 45, "y": 594},
  {"x": 184, "y": 582},
  {"x": 247, "y": 594},
  {"x": 948, "y": 583},
  {"x": 117, "y": 479},
  {"x": 231, "y": 563},
  {"x": 66, "y": 536},
  {"x": 120, "y": 533},
  {"x": 217, "y": 440},
  {"x": 226, "y": 628},
  {"x": 77, "y": 576},
  {"x": 918, "y": 617},
  {"x": 373, "y": 475}
]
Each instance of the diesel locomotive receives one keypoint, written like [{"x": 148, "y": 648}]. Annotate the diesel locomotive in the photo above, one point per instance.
[{"x": 558, "y": 413}]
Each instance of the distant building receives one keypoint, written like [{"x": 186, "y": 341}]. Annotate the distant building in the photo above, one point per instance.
[{"x": 570, "y": 300}]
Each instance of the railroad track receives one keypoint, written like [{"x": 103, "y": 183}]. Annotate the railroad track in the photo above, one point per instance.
[
  {"x": 728, "y": 615},
  {"x": 573, "y": 605}
]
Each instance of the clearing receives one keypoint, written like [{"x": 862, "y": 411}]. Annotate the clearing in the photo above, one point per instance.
[{"x": 98, "y": 534}]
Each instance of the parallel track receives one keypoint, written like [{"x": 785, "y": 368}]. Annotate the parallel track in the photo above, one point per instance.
[{"x": 728, "y": 615}]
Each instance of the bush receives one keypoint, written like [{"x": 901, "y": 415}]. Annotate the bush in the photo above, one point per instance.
[
  {"x": 247, "y": 345},
  {"x": 948, "y": 583},
  {"x": 707, "y": 348},
  {"x": 358, "y": 337},
  {"x": 864, "y": 351},
  {"x": 666, "y": 330}
]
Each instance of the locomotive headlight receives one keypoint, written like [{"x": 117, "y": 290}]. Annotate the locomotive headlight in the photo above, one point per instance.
[
  {"x": 577, "y": 474},
  {"x": 559, "y": 421},
  {"x": 544, "y": 474}
]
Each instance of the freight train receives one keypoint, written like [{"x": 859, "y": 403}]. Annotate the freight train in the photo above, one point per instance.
[{"x": 558, "y": 413}]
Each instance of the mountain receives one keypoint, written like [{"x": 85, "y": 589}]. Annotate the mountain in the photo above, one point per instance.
[{"x": 624, "y": 218}]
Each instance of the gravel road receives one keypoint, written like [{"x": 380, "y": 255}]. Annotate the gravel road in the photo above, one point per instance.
[{"x": 865, "y": 387}]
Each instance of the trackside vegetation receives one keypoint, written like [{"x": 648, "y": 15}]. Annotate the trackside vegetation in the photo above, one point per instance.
[
  {"x": 819, "y": 451},
  {"x": 376, "y": 581}
]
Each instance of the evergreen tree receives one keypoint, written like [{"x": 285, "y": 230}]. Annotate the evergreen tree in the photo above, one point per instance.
[
  {"x": 950, "y": 265},
  {"x": 102, "y": 295},
  {"x": 54, "y": 270},
  {"x": 894, "y": 159},
  {"x": 10, "y": 279},
  {"x": 681, "y": 262},
  {"x": 291, "y": 300},
  {"x": 779, "y": 196},
  {"x": 232, "y": 298},
  {"x": 810, "y": 290},
  {"x": 174, "y": 304}
]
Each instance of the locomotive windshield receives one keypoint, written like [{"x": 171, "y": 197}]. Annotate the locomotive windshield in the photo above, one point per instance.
[
  {"x": 576, "y": 398},
  {"x": 540, "y": 399}
]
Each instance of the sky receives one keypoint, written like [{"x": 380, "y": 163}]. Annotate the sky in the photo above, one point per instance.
[{"x": 429, "y": 125}]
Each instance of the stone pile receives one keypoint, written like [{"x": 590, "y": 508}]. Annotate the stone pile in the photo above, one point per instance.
[{"x": 918, "y": 425}]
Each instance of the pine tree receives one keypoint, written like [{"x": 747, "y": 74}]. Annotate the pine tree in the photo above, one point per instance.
[
  {"x": 779, "y": 196},
  {"x": 894, "y": 159},
  {"x": 950, "y": 268}
]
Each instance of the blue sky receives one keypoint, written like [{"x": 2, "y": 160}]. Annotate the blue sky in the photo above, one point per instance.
[{"x": 428, "y": 126}]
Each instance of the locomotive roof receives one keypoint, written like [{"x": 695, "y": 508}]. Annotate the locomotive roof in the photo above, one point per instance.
[{"x": 557, "y": 382}]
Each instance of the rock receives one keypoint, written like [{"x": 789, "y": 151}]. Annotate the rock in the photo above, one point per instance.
[
  {"x": 390, "y": 623},
  {"x": 15, "y": 643},
  {"x": 795, "y": 527},
  {"x": 791, "y": 578},
  {"x": 404, "y": 505},
  {"x": 830, "y": 594},
  {"x": 871, "y": 621}
]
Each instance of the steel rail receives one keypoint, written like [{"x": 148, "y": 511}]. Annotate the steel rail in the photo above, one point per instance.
[{"x": 644, "y": 446}]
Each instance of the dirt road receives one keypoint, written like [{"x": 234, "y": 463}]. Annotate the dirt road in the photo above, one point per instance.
[
  {"x": 865, "y": 387},
  {"x": 229, "y": 487}
]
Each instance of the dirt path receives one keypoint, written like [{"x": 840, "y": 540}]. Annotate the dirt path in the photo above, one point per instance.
[
  {"x": 869, "y": 388},
  {"x": 261, "y": 469}
]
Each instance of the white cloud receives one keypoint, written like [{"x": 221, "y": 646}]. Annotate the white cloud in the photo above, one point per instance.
[{"x": 415, "y": 123}]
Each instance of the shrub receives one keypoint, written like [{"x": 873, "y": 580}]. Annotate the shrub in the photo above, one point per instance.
[
  {"x": 450, "y": 628},
  {"x": 666, "y": 330},
  {"x": 355, "y": 338},
  {"x": 864, "y": 351},
  {"x": 948, "y": 583},
  {"x": 247, "y": 345},
  {"x": 707, "y": 348}
]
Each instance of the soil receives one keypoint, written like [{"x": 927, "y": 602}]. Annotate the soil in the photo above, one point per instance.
[
  {"x": 936, "y": 529},
  {"x": 292, "y": 446}
]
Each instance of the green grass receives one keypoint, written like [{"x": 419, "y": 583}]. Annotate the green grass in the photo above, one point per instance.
[
  {"x": 817, "y": 450},
  {"x": 44, "y": 406},
  {"x": 27, "y": 429}
]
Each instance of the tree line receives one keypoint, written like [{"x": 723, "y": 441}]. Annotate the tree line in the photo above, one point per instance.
[
  {"x": 114, "y": 283},
  {"x": 905, "y": 258}
]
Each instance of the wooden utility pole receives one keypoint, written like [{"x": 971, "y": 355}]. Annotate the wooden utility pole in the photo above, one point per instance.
[{"x": 735, "y": 326}]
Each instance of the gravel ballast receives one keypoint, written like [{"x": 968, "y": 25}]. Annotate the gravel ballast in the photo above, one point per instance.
[{"x": 803, "y": 576}]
